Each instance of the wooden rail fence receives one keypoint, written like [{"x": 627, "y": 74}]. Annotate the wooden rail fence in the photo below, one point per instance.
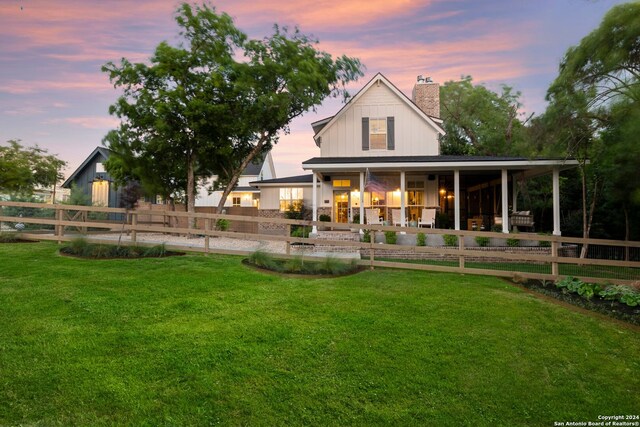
[{"x": 609, "y": 260}]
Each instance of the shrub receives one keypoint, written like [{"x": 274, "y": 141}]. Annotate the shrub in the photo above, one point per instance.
[
  {"x": 294, "y": 265},
  {"x": 156, "y": 251},
  {"x": 331, "y": 265},
  {"x": 79, "y": 246},
  {"x": 573, "y": 285},
  {"x": 300, "y": 231},
  {"x": 450, "y": 239},
  {"x": 355, "y": 219},
  {"x": 264, "y": 260},
  {"x": 544, "y": 243},
  {"x": 482, "y": 241},
  {"x": 390, "y": 237},
  {"x": 324, "y": 218},
  {"x": 513, "y": 243},
  {"x": 421, "y": 239},
  {"x": 222, "y": 224},
  {"x": 366, "y": 236}
]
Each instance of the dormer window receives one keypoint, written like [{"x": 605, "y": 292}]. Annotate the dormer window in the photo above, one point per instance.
[{"x": 378, "y": 134}]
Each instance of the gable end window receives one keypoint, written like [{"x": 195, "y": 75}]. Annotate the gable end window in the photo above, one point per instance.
[{"x": 378, "y": 133}]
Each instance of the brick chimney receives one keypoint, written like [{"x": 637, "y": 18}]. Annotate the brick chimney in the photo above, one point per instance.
[{"x": 426, "y": 95}]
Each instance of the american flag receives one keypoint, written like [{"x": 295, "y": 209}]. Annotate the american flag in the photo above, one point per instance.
[{"x": 373, "y": 183}]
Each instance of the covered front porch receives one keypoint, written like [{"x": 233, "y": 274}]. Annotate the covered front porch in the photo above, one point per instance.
[{"x": 468, "y": 193}]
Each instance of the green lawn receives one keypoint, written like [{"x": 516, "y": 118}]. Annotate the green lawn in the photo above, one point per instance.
[{"x": 198, "y": 340}]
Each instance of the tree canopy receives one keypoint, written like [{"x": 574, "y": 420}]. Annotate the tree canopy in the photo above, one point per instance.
[
  {"x": 479, "y": 121},
  {"x": 215, "y": 102},
  {"x": 22, "y": 169}
]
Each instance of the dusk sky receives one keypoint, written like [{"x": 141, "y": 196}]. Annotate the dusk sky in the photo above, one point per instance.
[{"x": 52, "y": 92}]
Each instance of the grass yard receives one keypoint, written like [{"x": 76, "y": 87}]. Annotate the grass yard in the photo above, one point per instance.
[{"x": 198, "y": 340}]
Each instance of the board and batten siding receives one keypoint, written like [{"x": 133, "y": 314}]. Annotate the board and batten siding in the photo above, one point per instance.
[
  {"x": 413, "y": 135},
  {"x": 84, "y": 181}
]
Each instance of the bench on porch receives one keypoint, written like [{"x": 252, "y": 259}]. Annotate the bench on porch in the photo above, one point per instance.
[{"x": 521, "y": 219}]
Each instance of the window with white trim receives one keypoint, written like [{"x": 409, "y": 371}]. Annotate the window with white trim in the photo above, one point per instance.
[
  {"x": 378, "y": 134},
  {"x": 290, "y": 199}
]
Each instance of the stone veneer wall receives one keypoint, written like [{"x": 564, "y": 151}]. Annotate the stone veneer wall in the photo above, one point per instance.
[{"x": 269, "y": 228}]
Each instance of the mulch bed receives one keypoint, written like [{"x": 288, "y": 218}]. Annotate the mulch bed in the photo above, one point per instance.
[{"x": 302, "y": 275}]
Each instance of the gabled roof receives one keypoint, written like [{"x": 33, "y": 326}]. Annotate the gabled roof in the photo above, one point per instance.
[
  {"x": 105, "y": 152},
  {"x": 377, "y": 78},
  {"x": 253, "y": 168}
]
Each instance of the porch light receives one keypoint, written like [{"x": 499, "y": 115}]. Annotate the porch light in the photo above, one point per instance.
[{"x": 443, "y": 191}]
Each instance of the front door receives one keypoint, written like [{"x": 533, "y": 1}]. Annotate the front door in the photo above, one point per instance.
[{"x": 341, "y": 206}]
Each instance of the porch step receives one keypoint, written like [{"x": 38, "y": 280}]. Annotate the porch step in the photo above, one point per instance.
[{"x": 338, "y": 235}]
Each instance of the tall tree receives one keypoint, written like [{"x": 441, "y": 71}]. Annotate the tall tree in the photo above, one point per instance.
[
  {"x": 22, "y": 169},
  {"x": 603, "y": 70},
  {"x": 215, "y": 102},
  {"x": 479, "y": 121}
]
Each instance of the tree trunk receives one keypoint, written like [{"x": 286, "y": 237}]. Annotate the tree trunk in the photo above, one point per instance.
[
  {"x": 587, "y": 221},
  {"x": 236, "y": 174},
  {"x": 626, "y": 232},
  {"x": 191, "y": 191}
]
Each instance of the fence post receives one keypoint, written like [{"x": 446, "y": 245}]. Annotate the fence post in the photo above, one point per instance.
[
  {"x": 461, "y": 247},
  {"x": 371, "y": 245},
  {"x": 134, "y": 223},
  {"x": 288, "y": 250},
  {"x": 554, "y": 264},
  {"x": 1, "y": 222},
  {"x": 207, "y": 228}
]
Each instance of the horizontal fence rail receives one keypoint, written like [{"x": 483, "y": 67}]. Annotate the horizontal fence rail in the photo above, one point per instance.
[{"x": 525, "y": 255}]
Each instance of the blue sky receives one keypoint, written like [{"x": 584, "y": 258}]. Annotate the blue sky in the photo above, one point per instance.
[{"x": 53, "y": 94}]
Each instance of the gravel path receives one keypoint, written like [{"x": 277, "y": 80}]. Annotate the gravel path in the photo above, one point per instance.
[{"x": 198, "y": 242}]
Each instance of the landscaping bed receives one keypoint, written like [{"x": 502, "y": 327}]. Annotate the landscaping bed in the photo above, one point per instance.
[
  {"x": 80, "y": 248},
  {"x": 609, "y": 303},
  {"x": 299, "y": 266}
]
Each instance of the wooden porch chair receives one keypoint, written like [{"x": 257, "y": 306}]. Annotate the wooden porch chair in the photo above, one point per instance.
[
  {"x": 373, "y": 216},
  {"x": 396, "y": 216},
  {"x": 428, "y": 218}
]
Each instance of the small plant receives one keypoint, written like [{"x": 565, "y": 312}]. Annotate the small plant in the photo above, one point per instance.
[
  {"x": 301, "y": 231},
  {"x": 222, "y": 224},
  {"x": 496, "y": 228},
  {"x": 482, "y": 241},
  {"x": 156, "y": 251},
  {"x": 294, "y": 265},
  {"x": 331, "y": 265},
  {"x": 513, "y": 243},
  {"x": 324, "y": 218},
  {"x": 573, "y": 285},
  {"x": 450, "y": 239},
  {"x": 355, "y": 219},
  {"x": 390, "y": 237},
  {"x": 79, "y": 246},
  {"x": 264, "y": 260},
  {"x": 366, "y": 236},
  {"x": 544, "y": 243},
  {"x": 421, "y": 239}
]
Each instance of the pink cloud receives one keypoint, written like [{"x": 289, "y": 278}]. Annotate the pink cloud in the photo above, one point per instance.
[
  {"x": 90, "y": 82},
  {"x": 326, "y": 14},
  {"x": 87, "y": 122}
]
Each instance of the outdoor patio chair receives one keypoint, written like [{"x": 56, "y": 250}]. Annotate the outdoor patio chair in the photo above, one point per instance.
[
  {"x": 396, "y": 216},
  {"x": 428, "y": 218},
  {"x": 373, "y": 216}
]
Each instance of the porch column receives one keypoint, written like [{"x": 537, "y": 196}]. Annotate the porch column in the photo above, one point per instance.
[
  {"x": 314, "y": 203},
  {"x": 361, "y": 200},
  {"x": 556, "y": 202},
  {"x": 514, "y": 192},
  {"x": 402, "y": 200},
  {"x": 456, "y": 198},
  {"x": 505, "y": 201}
]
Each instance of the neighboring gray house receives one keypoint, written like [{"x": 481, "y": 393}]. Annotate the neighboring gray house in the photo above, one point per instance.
[{"x": 94, "y": 181}]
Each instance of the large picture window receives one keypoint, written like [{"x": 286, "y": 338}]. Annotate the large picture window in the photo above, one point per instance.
[
  {"x": 290, "y": 199},
  {"x": 378, "y": 134}
]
